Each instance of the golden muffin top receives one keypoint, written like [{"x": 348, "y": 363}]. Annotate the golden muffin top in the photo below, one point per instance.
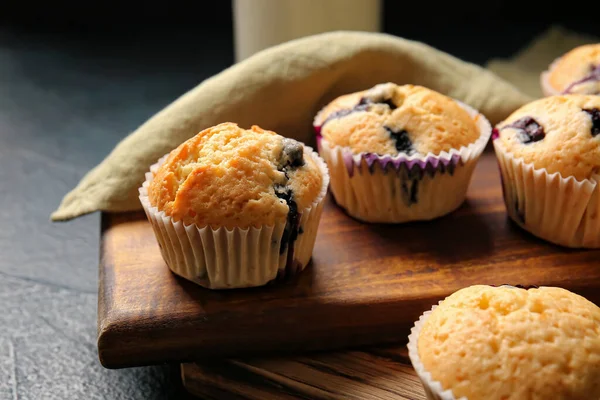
[
  {"x": 577, "y": 71},
  {"x": 389, "y": 119},
  {"x": 506, "y": 343},
  {"x": 558, "y": 133},
  {"x": 233, "y": 177}
]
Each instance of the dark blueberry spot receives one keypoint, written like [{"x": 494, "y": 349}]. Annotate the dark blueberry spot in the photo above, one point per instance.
[
  {"x": 531, "y": 131},
  {"x": 413, "y": 191},
  {"x": 451, "y": 167},
  {"x": 430, "y": 170},
  {"x": 344, "y": 112},
  {"x": 363, "y": 105},
  {"x": 526, "y": 287},
  {"x": 390, "y": 104},
  {"x": 291, "y": 269},
  {"x": 410, "y": 189},
  {"x": 292, "y": 157},
  {"x": 443, "y": 168},
  {"x": 300, "y": 231},
  {"x": 364, "y": 101},
  {"x": 401, "y": 141},
  {"x": 495, "y": 134},
  {"x": 290, "y": 232},
  {"x": 367, "y": 101},
  {"x": 595, "y": 116},
  {"x": 416, "y": 173},
  {"x": 594, "y": 75},
  {"x": 292, "y": 154}
]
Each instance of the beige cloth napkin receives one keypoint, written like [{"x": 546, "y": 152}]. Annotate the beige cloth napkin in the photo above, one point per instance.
[
  {"x": 281, "y": 89},
  {"x": 523, "y": 70}
]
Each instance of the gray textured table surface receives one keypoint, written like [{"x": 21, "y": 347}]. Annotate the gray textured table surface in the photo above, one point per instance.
[{"x": 65, "y": 101}]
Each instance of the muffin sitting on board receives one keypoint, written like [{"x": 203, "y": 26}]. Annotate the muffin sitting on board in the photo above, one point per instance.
[
  {"x": 400, "y": 153},
  {"x": 234, "y": 208},
  {"x": 549, "y": 156},
  {"x": 509, "y": 343},
  {"x": 576, "y": 72}
]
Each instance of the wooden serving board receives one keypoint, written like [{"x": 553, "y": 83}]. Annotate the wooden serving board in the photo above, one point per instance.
[
  {"x": 374, "y": 373},
  {"x": 367, "y": 284}
]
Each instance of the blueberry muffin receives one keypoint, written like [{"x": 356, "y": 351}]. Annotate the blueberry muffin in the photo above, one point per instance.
[
  {"x": 549, "y": 156},
  {"x": 576, "y": 72},
  {"x": 509, "y": 343},
  {"x": 390, "y": 119},
  {"x": 234, "y": 208},
  {"x": 393, "y": 150}
]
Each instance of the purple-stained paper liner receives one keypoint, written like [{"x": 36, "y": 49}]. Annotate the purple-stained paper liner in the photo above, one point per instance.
[
  {"x": 425, "y": 162},
  {"x": 219, "y": 258},
  {"x": 430, "y": 163},
  {"x": 402, "y": 188}
]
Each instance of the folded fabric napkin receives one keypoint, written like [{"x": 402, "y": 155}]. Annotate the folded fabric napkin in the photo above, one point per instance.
[
  {"x": 523, "y": 70},
  {"x": 281, "y": 89}
]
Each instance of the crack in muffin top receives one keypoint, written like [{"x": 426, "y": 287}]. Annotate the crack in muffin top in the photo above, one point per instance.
[
  {"x": 228, "y": 176},
  {"x": 577, "y": 71},
  {"x": 487, "y": 342},
  {"x": 558, "y": 133},
  {"x": 389, "y": 119}
]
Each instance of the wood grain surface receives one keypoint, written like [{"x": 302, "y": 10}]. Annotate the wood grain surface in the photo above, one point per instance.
[
  {"x": 367, "y": 284},
  {"x": 375, "y": 373}
]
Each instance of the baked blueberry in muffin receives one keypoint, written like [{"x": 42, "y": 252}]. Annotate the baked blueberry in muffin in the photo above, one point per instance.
[
  {"x": 390, "y": 120},
  {"x": 389, "y": 147},
  {"x": 549, "y": 153},
  {"x": 556, "y": 133},
  {"x": 254, "y": 183},
  {"x": 292, "y": 158},
  {"x": 529, "y": 129},
  {"x": 576, "y": 72},
  {"x": 595, "y": 116}
]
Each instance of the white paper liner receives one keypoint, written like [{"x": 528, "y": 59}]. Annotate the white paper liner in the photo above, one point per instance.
[
  {"x": 563, "y": 211},
  {"x": 237, "y": 258},
  {"x": 382, "y": 195},
  {"x": 433, "y": 389}
]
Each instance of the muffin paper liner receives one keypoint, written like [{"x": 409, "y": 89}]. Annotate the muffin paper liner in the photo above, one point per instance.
[
  {"x": 563, "y": 211},
  {"x": 225, "y": 259},
  {"x": 433, "y": 389},
  {"x": 396, "y": 189}
]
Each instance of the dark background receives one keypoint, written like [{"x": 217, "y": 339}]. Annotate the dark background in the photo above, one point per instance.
[
  {"x": 75, "y": 78},
  {"x": 472, "y": 30}
]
